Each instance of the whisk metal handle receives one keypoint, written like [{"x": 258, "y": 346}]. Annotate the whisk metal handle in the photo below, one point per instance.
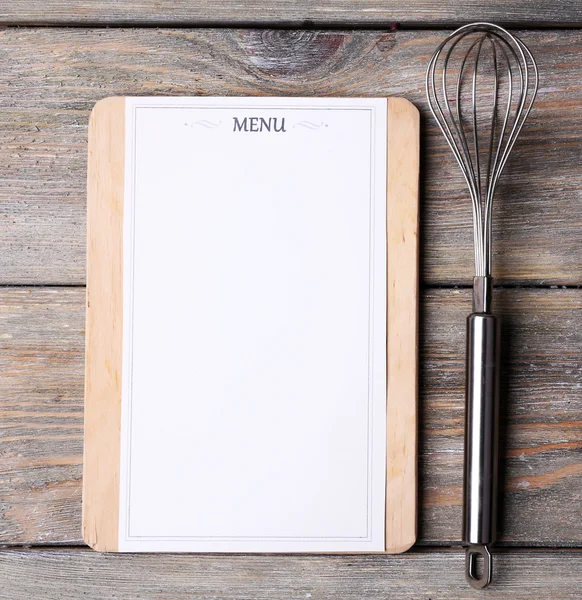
[{"x": 481, "y": 443}]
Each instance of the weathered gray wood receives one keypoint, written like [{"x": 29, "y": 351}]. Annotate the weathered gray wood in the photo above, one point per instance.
[
  {"x": 41, "y": 361},
  {"x": 52, "y": 77},
  {"x": 41, "y": 420},
  {"x": 430, "y": 575},
  {"x": 337, "y": 12},
  {"x": 541, "y": 414}
]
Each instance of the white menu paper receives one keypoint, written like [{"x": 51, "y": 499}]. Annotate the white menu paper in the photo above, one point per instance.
[{"x": 254, "y": 325}]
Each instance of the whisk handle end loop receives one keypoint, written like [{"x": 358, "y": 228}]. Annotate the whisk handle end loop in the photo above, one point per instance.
[{"x": 482, "y": 580}]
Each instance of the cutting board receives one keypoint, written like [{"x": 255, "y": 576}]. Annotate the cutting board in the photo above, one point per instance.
[{"x": 186, "y": 245}]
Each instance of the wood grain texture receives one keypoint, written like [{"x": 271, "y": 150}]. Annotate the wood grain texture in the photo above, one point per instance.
[
  {"x": 541, "y": 410},
  {"x": 304, "y": 12},
  {"x": 402, "y": 299},
  {"x": 104, "y": 325},
  {"x": 51, "y": 79},
  {"x": 41, "y": 358},
  {"x": 429, "y": 575},
  {"x": 41, "y": 387}
]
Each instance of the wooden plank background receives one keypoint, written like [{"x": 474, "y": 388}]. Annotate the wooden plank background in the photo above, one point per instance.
[
  {"x": 411, "y": 13},
  {"x": 51, "y": 77},
  {"x": 42, "y": 354},
  {"x": 418, "y": 575}
]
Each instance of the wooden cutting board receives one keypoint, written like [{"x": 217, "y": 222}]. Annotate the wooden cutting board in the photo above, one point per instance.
[{"x": 108, "y": 174}]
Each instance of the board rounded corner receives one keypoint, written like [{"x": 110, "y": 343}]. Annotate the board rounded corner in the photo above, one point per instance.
[
  {"x": 106, "y": 105},
  {"x": 403, "y": 105},
  {"x": 98, "y": 545},
  {"x": 402, "y": 546}
]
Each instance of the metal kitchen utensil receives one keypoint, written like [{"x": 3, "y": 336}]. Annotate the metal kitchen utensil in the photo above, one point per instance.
[{"x": 480, "y": 84}]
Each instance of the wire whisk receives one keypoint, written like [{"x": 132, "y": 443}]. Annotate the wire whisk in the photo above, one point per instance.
[
  {"x": 476, "y": 58},
  {"x": 481, "y": 84}
]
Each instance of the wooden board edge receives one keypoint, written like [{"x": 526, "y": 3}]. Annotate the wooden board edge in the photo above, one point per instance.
[
  {"x": 402, "y": 324},
  {"x": 104, "y": 309}
]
